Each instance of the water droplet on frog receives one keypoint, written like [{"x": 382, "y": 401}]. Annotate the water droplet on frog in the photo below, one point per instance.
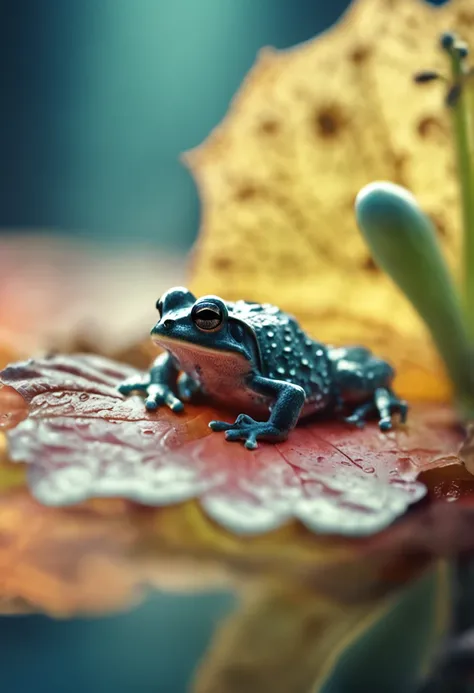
[
  {"x": 319, "y": 352},
  {"x": 270, "y": 334},
  {"x": 287, "y": 349},
  {"x": 292, "y": 371},
  {"x": 281, "y": 370},
  {"x": 288, "y": 338},
  {"x": 84, "y": 397},
  {"x": 308, "y": 342},
  {"x": 274, "y": 345},
  {"x": 305, "y": 362}
]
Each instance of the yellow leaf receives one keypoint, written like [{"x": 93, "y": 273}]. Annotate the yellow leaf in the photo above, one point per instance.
[{"x": 309, "y": 127}]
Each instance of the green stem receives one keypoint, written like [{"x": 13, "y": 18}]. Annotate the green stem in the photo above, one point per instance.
[
  {"x": 463, "y": 144},
  {"x": 403, "y": 243}
]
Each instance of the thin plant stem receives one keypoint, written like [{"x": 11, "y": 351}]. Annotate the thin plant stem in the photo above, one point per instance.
[{"x": 463, "y": 139}]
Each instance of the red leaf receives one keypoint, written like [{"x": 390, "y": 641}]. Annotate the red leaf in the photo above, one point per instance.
[{"x": 82, "y": 439}]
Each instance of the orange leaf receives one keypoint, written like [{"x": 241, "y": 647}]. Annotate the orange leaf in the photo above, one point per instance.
[{"x": 309, "y": 127}]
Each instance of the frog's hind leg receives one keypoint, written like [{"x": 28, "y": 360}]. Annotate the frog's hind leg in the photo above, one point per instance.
[
  {"x": 360, "y": 415},
  {"x": 386, "y": 402}
]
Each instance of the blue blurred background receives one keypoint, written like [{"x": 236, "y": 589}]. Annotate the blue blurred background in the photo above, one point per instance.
[{"x": 99, "y": 99}]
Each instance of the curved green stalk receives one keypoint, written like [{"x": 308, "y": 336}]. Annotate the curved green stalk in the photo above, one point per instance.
[{"x": 404, "y": 244}]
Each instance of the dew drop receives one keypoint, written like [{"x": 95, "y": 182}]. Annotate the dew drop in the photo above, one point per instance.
[
  {"x": 274, "y": 345},
  {"x": 304, "y": 362},
  {"x": 270, "y": 334},
  {"x": 287, "y": 349},
  {"x": 280, "y": 370},
  {"x": 319, "y": 352}
]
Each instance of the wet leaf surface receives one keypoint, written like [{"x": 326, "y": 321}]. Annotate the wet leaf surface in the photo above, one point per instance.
[{"x": 82, "y": 439}]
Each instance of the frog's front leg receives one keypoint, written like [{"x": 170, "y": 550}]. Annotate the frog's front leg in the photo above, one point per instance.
[
  {"x": 158, "y": 385},
  {"x": 289, "y": 400}
]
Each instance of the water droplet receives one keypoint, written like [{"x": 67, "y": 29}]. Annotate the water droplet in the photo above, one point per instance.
[
  {"x": 288, "y": 338},
  {"x": 84, "y": 397},
  {"x": 274, "y": 345},
  {"x": 304, "y": 362},
  {"x": 292, "y": 371},
  {"x": 308, "y": 342},
  {"x": 270, "y": 334},
  {"x": 319, "y": 352},
  {"x": 287, "y": 349},
  {"x": 280, "y": 370}
]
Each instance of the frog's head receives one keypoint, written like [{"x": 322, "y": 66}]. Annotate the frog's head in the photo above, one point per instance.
[{"x": 201, "y": 324}]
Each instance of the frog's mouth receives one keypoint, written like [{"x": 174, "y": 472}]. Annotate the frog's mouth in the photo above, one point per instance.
[{"x": 175, "y": 344}]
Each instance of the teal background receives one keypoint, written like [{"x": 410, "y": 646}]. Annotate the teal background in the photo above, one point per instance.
[{"x": 100, "y": 97}]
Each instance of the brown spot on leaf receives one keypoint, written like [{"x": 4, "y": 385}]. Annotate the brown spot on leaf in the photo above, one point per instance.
[
  {"x": 399, "y": 168},
  {"x": 431, "y": 127},
  {"x": 269, "y": 127},
  {"x": 369, "y": 264},
  {"x": 360, "y": 54},
  {"x": 221, "y": 263},
  {"x": 246, "y": 192},
  {"x": 439, "y": 224},
  {"x": 329, "y": 121},
  {"x": 466, "y": 18}
]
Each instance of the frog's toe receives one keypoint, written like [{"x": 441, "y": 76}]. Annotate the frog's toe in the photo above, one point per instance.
[
  {"x": 220, "y": 425},
  {"x": 385, "y": 424},
  {"x": 131, "y": 385},
  {"x": 248, "y": 431},
  {"x": 157, "y": 395},
  {"x": 359, "y": 416}
]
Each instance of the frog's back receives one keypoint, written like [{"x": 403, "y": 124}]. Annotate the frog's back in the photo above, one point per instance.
[{"x": 288, "y": 353}]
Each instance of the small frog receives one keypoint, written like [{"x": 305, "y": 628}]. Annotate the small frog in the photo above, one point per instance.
[{"x": 255, "y": 358}]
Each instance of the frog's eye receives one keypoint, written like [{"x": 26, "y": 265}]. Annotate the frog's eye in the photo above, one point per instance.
[{"x": 207, "y": 316}]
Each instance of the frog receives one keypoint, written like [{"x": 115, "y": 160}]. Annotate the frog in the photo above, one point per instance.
[{"x": 255, "y": 358}]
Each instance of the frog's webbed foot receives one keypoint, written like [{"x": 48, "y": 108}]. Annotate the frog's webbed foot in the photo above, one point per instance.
[
  {"x": 384, "y": 403},
  {"x": 247, "y": 429},
  {"x": 156, "y": 394}
]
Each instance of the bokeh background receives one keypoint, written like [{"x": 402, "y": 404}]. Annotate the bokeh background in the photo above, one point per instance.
[{"x": 99, "y": 98}]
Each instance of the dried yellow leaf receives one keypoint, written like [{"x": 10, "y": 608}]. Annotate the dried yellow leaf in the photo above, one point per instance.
[{"x": 309, "y": 127}]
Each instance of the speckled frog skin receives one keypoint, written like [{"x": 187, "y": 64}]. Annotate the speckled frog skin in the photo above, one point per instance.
[{"x": 254, "y": 358}]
